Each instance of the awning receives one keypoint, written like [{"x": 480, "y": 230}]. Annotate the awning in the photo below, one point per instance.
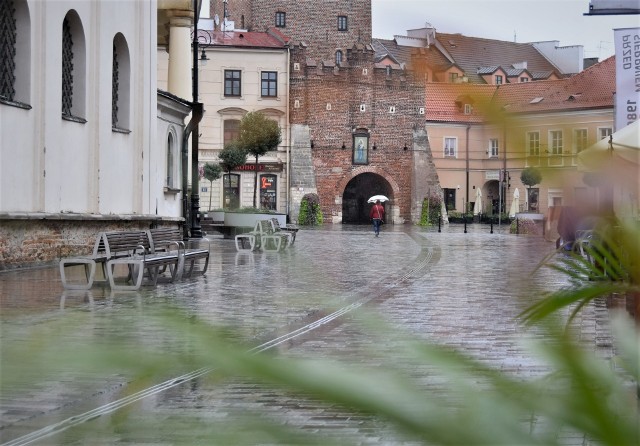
[{"x": 622, "y": 150}]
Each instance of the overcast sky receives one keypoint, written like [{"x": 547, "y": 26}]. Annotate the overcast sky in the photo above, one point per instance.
[{"x": 524, "y": 20}]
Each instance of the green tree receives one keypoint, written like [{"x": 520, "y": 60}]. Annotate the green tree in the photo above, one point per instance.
[
  {"x": 212, "y": 172},
  {"x": 258, "y": 135},
  {"x": 232, "y": 156},
  {"x": 530, "y": 176}
]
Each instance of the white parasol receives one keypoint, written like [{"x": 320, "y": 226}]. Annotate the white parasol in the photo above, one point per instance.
[
  {"x": 375, "y": 198},
  {"x": 477, "y": 206},
  {"x": 515, "y": 204}
]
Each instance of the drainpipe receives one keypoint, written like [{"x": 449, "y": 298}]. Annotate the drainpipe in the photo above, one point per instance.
[
  {"x": 196, "y": 117},
  {"x": 288, "y": 124},
  {"x": 467, "y": 167}
]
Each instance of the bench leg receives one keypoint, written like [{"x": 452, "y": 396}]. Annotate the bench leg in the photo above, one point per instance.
[
  {"x": 134, "y": 266},
  {"x": 242, "y": 238},
  {"x": 274, "y": 246},
  {"x": 89, "y": 266}
]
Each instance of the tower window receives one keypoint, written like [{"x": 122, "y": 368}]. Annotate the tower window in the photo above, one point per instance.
[{"x": 342, "y": 23}]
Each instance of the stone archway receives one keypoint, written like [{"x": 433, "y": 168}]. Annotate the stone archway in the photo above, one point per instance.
[{"x": 355, "y": 209}]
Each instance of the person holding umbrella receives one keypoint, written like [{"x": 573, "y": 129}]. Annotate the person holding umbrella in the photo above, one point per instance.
[{"x": 377, "y": 214}]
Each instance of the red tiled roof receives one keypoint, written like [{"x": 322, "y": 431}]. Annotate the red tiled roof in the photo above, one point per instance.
[
  {"x": 246, "y": 39},
  {"x": 591, "y": 88},
  {"x": 472, "y": 53},
  {"x": 406, "y": 54},
  {"x": 441, "y": 101}
]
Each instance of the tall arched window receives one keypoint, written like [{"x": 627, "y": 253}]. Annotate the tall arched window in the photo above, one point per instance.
[
  {"x": 74, "y": 71},
  {"x": 338, "y": 57},
  {"x": 15, "y": 53},
  {"x": 171, "y": 155},
  {"x": 120, "y": 84}
]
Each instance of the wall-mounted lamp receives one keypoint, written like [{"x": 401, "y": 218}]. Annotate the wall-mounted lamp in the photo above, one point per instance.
[
  {"x": 312, "y": 144},
  {"x": 343, "y": 146},
  {"x": 405, "y": 147},
  {"x": 374, "y": 146},
  {"x": 203, "y": 57}
]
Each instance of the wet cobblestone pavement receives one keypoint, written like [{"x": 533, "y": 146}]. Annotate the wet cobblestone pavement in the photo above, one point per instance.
[{"x": 457, "y": 289}]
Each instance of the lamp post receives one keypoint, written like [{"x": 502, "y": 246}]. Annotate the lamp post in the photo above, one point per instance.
[{"x": 199, "y": 38}]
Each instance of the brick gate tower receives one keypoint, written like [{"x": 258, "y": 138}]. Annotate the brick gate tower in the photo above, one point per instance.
[{"x": 357, "y": 126}]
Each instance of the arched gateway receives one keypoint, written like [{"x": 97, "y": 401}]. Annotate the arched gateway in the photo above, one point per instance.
[{"x": 355, "y": 209}]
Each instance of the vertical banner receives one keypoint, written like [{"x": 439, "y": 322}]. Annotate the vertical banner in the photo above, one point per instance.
[{"x": 627, "y": 45}]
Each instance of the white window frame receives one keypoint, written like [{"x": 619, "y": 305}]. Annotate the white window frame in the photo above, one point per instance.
[
  {"x": 468, "y": 109},
  {"x": 172, "y": 160},
  {"x": 556, "y": 143},
  {"x": 580, "y": 140},
  {"x": 604, "y": 132},
  {"x": 532, "y": 144},
  {"x": 447, "y": 149},
  {"x": 494, "y": 146}
]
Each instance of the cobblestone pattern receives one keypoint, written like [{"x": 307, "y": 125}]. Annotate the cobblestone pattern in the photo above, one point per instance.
[{"x": 446, "y": 288}]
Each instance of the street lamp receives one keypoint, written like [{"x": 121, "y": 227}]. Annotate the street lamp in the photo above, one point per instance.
[{"x": 200, "y": 38}]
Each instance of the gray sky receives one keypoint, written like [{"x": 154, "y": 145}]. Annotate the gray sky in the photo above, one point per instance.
[{"x": 528, "y": 20}]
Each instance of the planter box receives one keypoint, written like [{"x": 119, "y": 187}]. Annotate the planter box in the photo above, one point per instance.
[
  {"x": 530, "y": 215},
  {"x": 216, "y": 216},
  {"x": 248, "y": 220}
]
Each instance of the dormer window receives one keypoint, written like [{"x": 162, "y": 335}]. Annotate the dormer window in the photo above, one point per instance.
[
  {"x": 498, "y": 79},
  {"x": 467, "y": 109}
]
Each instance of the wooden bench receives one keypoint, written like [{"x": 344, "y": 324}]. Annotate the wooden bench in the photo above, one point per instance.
[
  {"x": 108, "y": 245},
  {"x": 161, "y": 240},
  {"x": 130, "y": 248}
]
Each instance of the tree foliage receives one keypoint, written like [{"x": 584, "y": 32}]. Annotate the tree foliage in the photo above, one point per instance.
[
  {"x": 232, "y": 156},
  {"x": 212, "y": 172},
  {"x": 258, "y": 135},
  {"x": 531, "y": 176}
]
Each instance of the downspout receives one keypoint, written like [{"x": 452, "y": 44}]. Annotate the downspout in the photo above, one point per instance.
[
  {"x": 197, "y": 111},
  {"x": 288, "y": 124},
  {"x": 467, "y": 169}
]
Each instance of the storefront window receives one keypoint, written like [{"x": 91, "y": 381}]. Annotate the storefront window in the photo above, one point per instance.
[
  {"x": 268, "y": 192},
  {"x": 231, "y": 191}
]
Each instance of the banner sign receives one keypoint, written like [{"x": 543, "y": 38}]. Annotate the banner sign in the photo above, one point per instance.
[{"x": 627, "y": 45}]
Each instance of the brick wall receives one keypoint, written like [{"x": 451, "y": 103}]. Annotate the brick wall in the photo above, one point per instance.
[
  {"x": 25, "y": 242},
  {"x": 334, "y": 101}
]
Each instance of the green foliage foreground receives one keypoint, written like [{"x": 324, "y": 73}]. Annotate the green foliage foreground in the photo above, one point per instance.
[{"x": 477, "y": 404}]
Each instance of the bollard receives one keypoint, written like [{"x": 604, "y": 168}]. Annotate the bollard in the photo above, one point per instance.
[
  {"x": 491, "y": 220},
  {"x": 439, "y": 223},
  {"x": 464, "y": 219},
  {"x": 517, "y": 226}
]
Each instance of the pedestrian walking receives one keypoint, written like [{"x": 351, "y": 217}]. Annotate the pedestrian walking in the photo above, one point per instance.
[{"x": 377, "y": 216}]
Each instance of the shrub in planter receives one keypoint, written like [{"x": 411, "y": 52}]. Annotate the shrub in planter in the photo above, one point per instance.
[
  {"x": 524, "y": 226},
  {"x": 310, "y": 213},
  {"x": 431, "y": 210}
]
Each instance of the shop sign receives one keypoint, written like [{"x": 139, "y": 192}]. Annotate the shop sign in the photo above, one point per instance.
[{"x": 262, "y": 167}]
